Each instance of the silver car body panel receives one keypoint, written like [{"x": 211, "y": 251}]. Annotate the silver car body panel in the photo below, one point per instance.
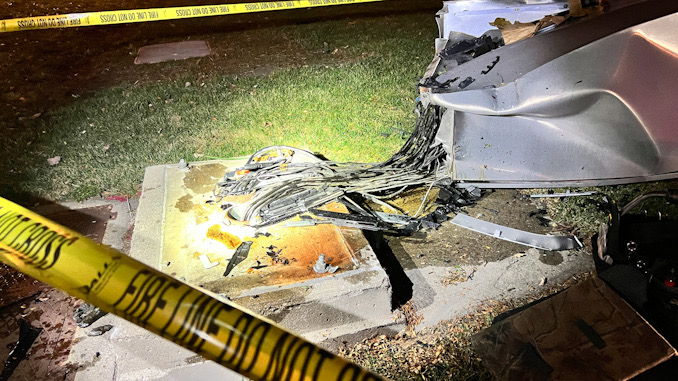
[{"x": 593, "y": 104}]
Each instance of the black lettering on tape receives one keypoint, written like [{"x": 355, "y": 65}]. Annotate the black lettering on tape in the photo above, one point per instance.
[
  {"x": 349, "y": 370},
  {"x": 149, "y": 289},
  {"x": 164, "y": 330},
  {"x": 8, "y": 222},
  {"x": 355, "y": 373},
  {"x": 108, "y": 18},
  {"x": 26, "y": 24},
  {"x": 278, "y": 363},
  {"x": 131, "y": 288},
  {"x": 310, "y": 350},
  {"x": 324, "y": 355},
  {"x": 262, "y": 328},
  {"x": 18, "y": 235},
  {"x": 236, "y": 338},
  {"x": 37, "y": 230},
  {"x": 41, "y": 248},
  {"x": 50, "y": 258},
  {"x": 161, "y": 302}
]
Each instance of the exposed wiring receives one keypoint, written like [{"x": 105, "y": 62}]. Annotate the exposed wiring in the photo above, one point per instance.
[{"x": 280, "y": 191}]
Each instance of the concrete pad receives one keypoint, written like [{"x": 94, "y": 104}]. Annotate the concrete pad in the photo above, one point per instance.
[
  {"x": 328, "y": 309},
  {"x": 130, "y": 353},
  {"x": 513, "y": 277},
  {"x": 175, "y": 212},
  {"x": 173, "y": 51}
]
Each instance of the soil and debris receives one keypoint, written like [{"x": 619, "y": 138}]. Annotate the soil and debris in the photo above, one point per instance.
[{"x": 443, "y": 351}]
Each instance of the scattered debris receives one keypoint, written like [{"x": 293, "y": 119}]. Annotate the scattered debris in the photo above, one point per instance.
[
  {"x": 206, "y": 262},
  {"x": 258, "y": 266},
  {"x": 275, "y": 256},
  {"x": 412, "y": 318},
  {"x": 543, "y": 281},
  {"x": 240, "y": 255},
  {"x": 322, "y": 267},
  {"x": 54, "y": 160},
  {"x": 86, "y": 314},
  {"x": 98, "y": 331},
  {"x": 457, "y": 275}
]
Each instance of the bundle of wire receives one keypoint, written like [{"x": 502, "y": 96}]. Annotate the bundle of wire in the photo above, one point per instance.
[{"x": 283, "y": 190}]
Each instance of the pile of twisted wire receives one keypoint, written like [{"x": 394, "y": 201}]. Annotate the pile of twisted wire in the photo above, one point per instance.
[{"x": 281, "y": 191}]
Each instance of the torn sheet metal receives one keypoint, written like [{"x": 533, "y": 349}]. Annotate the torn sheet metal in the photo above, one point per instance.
[
  {"x": 588, "y": 104},
  {"x": 473, "y": 17},
  {"x": 539, "y": 241}
]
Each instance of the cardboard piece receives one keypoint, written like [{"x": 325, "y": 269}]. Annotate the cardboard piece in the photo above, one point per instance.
[{"x": 584, "y": 333}]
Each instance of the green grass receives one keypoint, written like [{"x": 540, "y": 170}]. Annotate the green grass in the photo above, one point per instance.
[
  {"x": 583, "y": 215},
  {"x": 347, "y": 110}
]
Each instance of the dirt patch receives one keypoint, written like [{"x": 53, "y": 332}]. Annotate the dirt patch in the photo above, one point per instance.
[
  {"x": 184, "y": 204},
  {"x": 203, "y": 178},
  {"x": 451, "y": 245}
]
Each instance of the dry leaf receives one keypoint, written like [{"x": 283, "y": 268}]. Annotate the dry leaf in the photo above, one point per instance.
[
  {"x": 54, "y": 160},
  {"x": 514, "y": 32},
  {"x": 551, "y": 20}
]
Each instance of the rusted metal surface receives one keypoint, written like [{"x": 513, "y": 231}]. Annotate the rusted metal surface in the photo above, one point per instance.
[
  {"x": 299, "y": 250},
  {"x": 196, "y": 225},
  {"x": 44, "y": 308}
]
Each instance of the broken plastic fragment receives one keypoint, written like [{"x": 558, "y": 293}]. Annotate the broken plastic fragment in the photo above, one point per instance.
[
  {"x": 322, "y": 267},
  {"x": 206, "y": 262}
]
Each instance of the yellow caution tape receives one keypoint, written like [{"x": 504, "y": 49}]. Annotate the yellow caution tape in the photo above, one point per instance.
[
  {"x": 158, "y": 14},
  {"x": 250, "y": 345}
]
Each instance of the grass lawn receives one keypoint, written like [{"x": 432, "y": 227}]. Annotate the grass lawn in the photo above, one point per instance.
[{"x": 349, "y": 108}]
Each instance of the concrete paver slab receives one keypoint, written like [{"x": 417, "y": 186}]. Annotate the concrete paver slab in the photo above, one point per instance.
[{"x": 172, "y": 51}]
